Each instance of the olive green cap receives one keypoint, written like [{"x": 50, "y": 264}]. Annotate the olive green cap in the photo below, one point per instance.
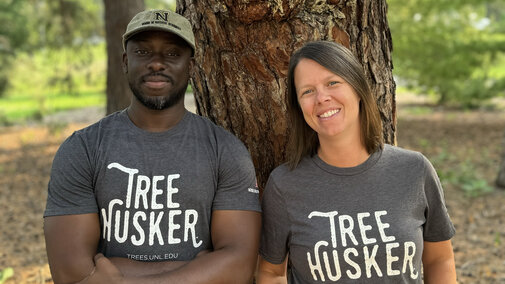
[{"x": 161, "y": 20}]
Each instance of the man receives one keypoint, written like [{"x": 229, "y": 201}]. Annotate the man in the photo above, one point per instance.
[{"x": 161, "y": 194}]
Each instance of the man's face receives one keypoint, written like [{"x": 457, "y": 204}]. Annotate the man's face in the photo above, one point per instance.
[{"x": 157, "y": 65}]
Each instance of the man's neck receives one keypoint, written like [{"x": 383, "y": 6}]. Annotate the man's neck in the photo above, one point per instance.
[{"x": 155, "y": 120}]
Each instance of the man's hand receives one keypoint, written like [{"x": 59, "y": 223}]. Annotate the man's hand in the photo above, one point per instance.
[{"x": 105, "y": 272}]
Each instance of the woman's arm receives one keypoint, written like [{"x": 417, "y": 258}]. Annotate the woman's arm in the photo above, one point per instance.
[
  {"x": 438, "y": 262},
  {"x": 269, "y": 273}
]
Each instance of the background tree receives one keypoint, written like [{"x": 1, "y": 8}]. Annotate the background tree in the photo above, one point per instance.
[
  {"x": 243, "y": 49},
  {"x": 11, "y": 37},
  {"x": 453, "y": 49},
  {"x": 118, "y": 14}
]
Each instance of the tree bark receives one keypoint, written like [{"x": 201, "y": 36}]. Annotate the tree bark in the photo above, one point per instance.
[
  {"x": 243, "y": 50},
  {"x": 118, "y": 14},
  {"x": 500, "y": 180}
]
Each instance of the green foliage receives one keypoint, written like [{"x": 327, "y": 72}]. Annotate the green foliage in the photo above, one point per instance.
[
  {"x": 6, "y": 274},
  {"x": 56, "y": 24},
  {"x": 453, "y": 48},
  {"x": 71, "y": 22},
  {"x": 32, "y": 24},
  {"x": 12, "y": 36},
  {"x": 497, "y": 239},
  {"x": 160, "y": 4},
  {"x": 467, "y": 179},
  {"x": 63, "y": 70},
  {"x": 49, "y": 80},
  {"x": 462, "y": 175},
  {"x": 14, "y": 32}
]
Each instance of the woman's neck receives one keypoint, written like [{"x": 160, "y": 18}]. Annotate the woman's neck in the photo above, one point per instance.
[{"x": 343, "y": 154}]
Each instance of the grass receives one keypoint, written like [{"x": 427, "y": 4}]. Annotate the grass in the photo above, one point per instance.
[
  {"x": 19, "y": 109},
  {"x": 6, "y": 274}
]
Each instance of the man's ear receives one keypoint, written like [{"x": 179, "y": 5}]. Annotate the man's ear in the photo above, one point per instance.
[{"x": 125, "y": 63}]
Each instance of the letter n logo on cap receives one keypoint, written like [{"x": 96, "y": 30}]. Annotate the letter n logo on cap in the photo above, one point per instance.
[{"x": 163, "y": 16}]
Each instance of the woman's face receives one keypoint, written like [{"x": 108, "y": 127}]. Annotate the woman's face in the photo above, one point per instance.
[{"x": 329, "y": 104}]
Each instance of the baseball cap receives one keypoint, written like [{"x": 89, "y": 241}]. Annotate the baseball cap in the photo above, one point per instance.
[{"x": 162, "y": 20}]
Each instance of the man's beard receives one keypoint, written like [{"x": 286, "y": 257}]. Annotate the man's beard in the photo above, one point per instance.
[{"x": 159, "y": 103}]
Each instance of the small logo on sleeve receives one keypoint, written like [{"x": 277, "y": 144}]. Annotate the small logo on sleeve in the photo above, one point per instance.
[{"x": 253, "y": 190}]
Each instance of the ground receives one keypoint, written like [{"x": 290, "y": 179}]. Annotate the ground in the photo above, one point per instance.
[{"x": 464, "y": 146}]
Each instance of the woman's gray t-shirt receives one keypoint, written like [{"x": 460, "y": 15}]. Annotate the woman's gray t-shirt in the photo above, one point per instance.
[{"x": 354, "y": 225}]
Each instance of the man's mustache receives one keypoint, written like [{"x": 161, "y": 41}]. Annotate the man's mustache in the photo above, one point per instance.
[{"x": 157, "y": 74}]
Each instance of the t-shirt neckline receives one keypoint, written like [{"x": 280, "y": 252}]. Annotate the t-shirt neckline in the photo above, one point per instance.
[
  {"x": 350, "y": 171},
  {"x": 137, "y": 130}
]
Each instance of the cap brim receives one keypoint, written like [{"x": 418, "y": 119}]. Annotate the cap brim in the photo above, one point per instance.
[{"x": 132, "y": 33}]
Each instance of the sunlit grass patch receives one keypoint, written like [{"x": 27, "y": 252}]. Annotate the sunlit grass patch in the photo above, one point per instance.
[{"x": 17, "y": 109}]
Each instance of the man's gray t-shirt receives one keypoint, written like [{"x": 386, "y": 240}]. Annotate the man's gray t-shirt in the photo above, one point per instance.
[
  {"x": 364, "y": 224},
  {"x": 154, "y": 192}
]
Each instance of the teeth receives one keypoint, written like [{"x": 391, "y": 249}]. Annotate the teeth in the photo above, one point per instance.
[{"x": 329, "y": 113}]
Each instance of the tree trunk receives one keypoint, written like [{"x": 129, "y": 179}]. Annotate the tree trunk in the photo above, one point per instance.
[
  {"x": 243, "y": 49},
  {"x": 117, "y": 16},
  {"x": 500, "y": 180}
]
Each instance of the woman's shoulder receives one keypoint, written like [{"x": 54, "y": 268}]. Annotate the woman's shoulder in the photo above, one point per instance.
[
  {"x": 401, "y": 156},
  {"x": 280, "y": 171},
  {"x": 283, "y": 180},
  {"x": 402, "y": 153},
  {"x": 286, "y": 172}
]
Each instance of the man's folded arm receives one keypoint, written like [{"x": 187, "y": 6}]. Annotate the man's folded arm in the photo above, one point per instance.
[
  {"x": 235, "y": 237},
  {"x": 71, "y": 244},
  {"x": 72, "y": 241}
]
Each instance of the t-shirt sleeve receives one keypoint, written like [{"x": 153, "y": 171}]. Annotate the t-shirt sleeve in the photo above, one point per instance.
[
  {"x": 70, "y": 189},
  {"x": 236, "y": 185},
  {"x": 275, "y": 225},
  {"x": 438, "y": 226}
]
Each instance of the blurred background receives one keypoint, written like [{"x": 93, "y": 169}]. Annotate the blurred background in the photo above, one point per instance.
[
  {"x": 53, "y": 56},
  {"x": 449, "y": 67},
  {"x": 53, "y": 53}
]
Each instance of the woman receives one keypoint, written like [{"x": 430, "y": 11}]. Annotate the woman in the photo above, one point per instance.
[{"x": 345, "y": 207}]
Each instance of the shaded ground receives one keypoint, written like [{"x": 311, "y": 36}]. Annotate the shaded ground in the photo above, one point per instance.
[{"x": 465, "y": 148}]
